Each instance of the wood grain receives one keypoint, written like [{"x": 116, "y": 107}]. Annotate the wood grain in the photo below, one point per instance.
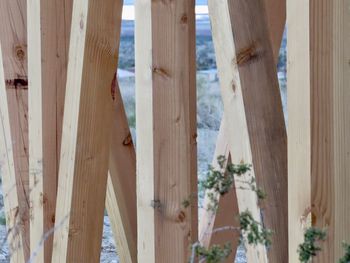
[
  {"x": 276, "y": 16},
  {"x": 48, "y": 40},
  {"x": 13, "y": 38},
  {"x": 86, "y": 131},
  {"x": 121, "y": 186},
  {"x": 299, "y": 126},
  {"x": 260, "y": 120},
  {"x": 7, "y": 172},
  {"x": 320, "y": 69},
  {"x": 166, "y": 145}
]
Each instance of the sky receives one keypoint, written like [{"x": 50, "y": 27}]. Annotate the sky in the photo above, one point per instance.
[
  {"x": 198, "y": 2},
  {"x": 129, "y": 12}
]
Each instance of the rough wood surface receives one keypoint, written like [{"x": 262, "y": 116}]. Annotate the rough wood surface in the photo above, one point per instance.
[
  {"x": 264, "y": 115},
  {"x": 239, "y": 142},
  {"x": 13, "y": 38},
  {"x": 253, "y": 107},
  {"x": 319, "y": 67},
  {"x": 86, "y": 131},
  {"x": 276, "y": 16},
  {"x": 121, "y": 187},
  {"x": 48, "y": 39},
  {"x": 166, "y": 145},
  {"x": 7, "y": 172}
]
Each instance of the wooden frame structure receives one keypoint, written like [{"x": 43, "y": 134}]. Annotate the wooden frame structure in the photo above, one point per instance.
[{"x": 66, "y": 151}]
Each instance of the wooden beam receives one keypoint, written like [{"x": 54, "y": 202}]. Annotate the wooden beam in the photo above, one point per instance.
[
  {"x": 86, "y": 131},
  {"x": 166, "y": 129},
  {"x": 299, "y": 125},
  {"x": 276, "y": 21},
  {"x": 13, "y": 37},
  {"x": 121, "y": 187},
  {"x": 7, "y": 172},
  {"x": 253, "y": 112},
  {"x": 48, "y": 40},
  {"x": 319, "y": 122},
  {"x": 276, "y": 16},
  {"x": 226, "y": 212}
]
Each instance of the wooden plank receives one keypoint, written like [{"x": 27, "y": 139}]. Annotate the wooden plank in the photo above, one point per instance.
[
  {"x": 255, "y": 114},
  {"x": 86, "y": 131},
  {"x": 276, "y": 21},
  {"x": 210, "y": 221},
  {"x": 47, "y": 58},
  {"x": 121, "y": 186},
  {"x": 48, "y": 40},
  {"x": 166, "y": 129},
  {"x": 276, "y": 16},
  {"x": 14, "y": 48},
  {"x": 299, "y": 126},
  {"x": 319, "y": 122},
  {"x": 7, "y": 172}
]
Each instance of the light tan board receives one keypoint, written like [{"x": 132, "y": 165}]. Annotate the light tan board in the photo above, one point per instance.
[
  {"x": 319, "y": 142},
  {"x": 299, "y": 126},
  {"x": 166, "y": 129},
  {"x": 7, "y": 172},
  {"x": 48, "y": 40},
  {"x": 253, "y": 112},
  {"x": 144, "y": 132},
  {"x": 86, "y": 131},
  {"x": 13, "y": 38},
  {"x": 121, "y": 187}
]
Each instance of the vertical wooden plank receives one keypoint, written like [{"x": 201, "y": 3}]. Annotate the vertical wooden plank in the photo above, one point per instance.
[
  {"x": 299, "y": 126},
  {"x": 48, "y": 39},
  {"x": 144, "y": 130},
  {"x": 7, "y": 172},
  {"x": 35, "y": 127},
  {"x": 166, "y": 129},
  {"x": 341, "y": 115},
  {"x": 14, "y": 48},
  {"x": 321, "y": 70},
  {"x": 121, "y": 186},
  {"x": 86, "y": 131},
  {"x": 253, "y": 107}
]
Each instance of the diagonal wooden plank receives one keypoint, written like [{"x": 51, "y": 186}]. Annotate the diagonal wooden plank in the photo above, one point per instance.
[
  {"x": 7, "y": 172},
  {"x": 48, "y": 40},
  {"x": 86, "y": 131},
  {"x": 13, "y": 37},
  {"x": 226, "y": 212},
  {"x": 254, "y": 122},
  {"x": 166, "y": 129},
  {"x": 121, "y": 187},
  {"x": 276, "y": 17}
]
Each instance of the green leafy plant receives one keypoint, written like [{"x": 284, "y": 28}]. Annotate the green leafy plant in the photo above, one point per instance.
[
  {"x": 310, "y": 247},
  {"x": 214, "y": 254},
  {"x": 255, "y": 233},
  {"x": 346, "y": 257},
  {"x": 219, "y": 182}
]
